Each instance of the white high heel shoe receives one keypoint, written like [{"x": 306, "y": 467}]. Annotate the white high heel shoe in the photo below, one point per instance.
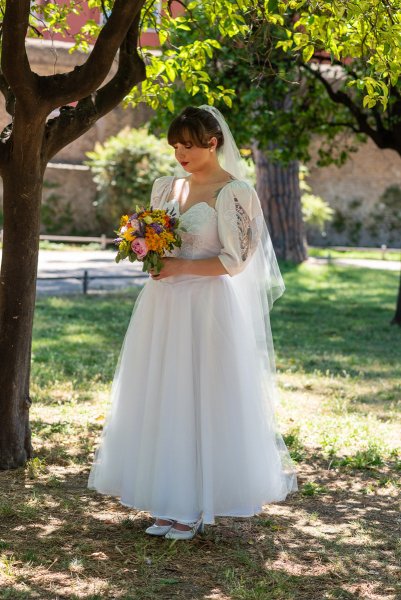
[
  {"x": 160, "y": 529},
  {"x": 179, "y": 534}
]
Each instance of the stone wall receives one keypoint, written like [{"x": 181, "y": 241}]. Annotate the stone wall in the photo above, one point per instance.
[{"x": 355, "y": 191}]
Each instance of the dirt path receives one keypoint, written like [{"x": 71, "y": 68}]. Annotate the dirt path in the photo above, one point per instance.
[
  {"x": 386, "y": 265},
  {"x": 99, "y": 265},
  {"x": 105, "y": 274}
]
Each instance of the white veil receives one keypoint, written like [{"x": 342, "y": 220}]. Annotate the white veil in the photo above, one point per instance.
[
  {"x": 257, "y": 287},
  {"x": 260, "y": 283},
  {"x": 228, "y": 154},
  {"x": 265, "y": 266}
]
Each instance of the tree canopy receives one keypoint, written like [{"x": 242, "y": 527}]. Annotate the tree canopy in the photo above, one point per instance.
[
  {"x": 368, "y": 29},
  {"x": 348, "y": 53}
]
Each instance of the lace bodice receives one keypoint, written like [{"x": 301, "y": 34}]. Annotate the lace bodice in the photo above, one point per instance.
[{"x": 230, "y": 231}]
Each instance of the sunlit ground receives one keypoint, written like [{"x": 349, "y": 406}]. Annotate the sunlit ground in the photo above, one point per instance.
[{"x": 339, "y": 375}]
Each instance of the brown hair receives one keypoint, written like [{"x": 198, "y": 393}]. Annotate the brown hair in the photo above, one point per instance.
[{"x": 196, "y": 125}]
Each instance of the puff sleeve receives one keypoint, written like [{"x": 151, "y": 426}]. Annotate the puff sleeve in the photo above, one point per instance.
[
  {"x": 240, "y": 223},
  {"x": 161, "y": 190}
]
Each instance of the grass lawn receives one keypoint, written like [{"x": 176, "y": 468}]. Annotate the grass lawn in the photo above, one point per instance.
[
  {"x": 339, "y": 373},
  {"x": 350, "y": 253}
]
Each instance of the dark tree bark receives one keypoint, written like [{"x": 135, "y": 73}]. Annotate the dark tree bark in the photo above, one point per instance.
[
  {"x": 280, "y": 197},
  {"x": 22, "y": 185},
  {"x": 25, "y": 148},
  {"x": 396, "y": 320}
]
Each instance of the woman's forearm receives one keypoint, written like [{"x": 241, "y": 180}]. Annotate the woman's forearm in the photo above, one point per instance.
[{"x": 203, "y": 266}]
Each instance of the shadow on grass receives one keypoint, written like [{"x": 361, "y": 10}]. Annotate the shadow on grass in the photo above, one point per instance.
[
  {"x": 60, "y": 539},
  {"x": 335, "y": 538}
]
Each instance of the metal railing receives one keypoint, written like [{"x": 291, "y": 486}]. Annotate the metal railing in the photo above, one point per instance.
[
  {"x": 103, "y": 240},
  {"x": 86, "y": 278}
]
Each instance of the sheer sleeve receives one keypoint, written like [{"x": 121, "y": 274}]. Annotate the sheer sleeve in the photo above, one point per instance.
[
  {"x": 161, "y": 190},
  {"x": 240, "y": 222},
  {"x": 247, "y": 250}
]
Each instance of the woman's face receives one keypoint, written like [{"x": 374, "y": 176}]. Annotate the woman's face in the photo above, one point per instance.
[{"x": 194, "y": 158}]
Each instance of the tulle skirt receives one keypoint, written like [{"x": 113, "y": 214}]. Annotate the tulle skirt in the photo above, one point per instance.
[{"x": 191, "y": 428}]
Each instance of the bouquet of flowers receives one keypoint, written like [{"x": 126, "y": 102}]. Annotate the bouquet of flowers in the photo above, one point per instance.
[{"x": 146, "y": 236}]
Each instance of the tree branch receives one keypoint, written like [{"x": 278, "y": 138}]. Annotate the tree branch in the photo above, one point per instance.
[
  {"x": 73, "y": 122},
  {"x": 339, "y": 97},
  {"x": 14, "y": 60},
  {"x": 84, "y": 80},
  {"x": 346, "y": 124}
]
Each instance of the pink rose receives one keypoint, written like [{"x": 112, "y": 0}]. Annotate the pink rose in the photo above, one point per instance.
[{"x": 139, "y": 247}]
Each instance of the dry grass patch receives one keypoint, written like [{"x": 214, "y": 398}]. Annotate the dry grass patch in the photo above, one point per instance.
[{"x": 336, "y": 538}]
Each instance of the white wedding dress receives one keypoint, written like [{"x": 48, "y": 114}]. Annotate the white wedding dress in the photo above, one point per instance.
[{"x": 191, "y": 428}]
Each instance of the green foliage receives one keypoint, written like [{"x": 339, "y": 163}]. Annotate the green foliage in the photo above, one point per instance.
[
  {"x": 385, "y": 219},
  {"x": 316, "y": 211},
  {"x": 368, "y": 30},
  {"x": 184, "y": 63},
  {"x": 56, "y": 216},
  {"x": 254, "y": 57},
  {"x": 124, "y": 169},
  {"x": 187, "y": 62},
  {"x": 274, "y": 102},
  {"x": 35, "y": 466},
  {"x": 312, "y": 489},
  {"x": 349, "y": 220},
  {"x": 294, "y": 445},
  {"x": 259, "y": 93},
  {"x": 367, "y": 458}
]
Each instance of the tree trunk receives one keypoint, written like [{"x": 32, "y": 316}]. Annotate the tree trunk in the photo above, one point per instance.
[
  {"x": 280, "y": 197},
  {"x": 396, "y": 320},
  {"x": 22, "y": 184}
]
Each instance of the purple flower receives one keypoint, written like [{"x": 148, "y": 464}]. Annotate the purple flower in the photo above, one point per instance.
[{"x": 157, "y": 227}]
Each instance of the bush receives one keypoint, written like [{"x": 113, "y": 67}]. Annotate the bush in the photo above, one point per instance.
[
  {"x": 124, "y": 169},
  {"x": 384, "y": 221},
  {"x": 315, "y": 211}
]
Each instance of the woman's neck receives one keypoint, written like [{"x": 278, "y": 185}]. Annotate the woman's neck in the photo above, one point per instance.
[{"x": 207, "y": 176}]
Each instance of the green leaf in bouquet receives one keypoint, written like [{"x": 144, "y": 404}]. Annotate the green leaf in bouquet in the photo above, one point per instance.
[
  {"x": 146, "y": 263},
  {"x": 158, "y": 265}
]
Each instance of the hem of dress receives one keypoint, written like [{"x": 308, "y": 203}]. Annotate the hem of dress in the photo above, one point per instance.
[{"x": 208, "y": 519}]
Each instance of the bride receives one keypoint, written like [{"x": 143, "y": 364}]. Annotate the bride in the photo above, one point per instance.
[{"x": 191, "y": 433}]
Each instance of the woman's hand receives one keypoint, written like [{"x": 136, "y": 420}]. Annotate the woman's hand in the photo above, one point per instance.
[{"x": 171, "y": 266}]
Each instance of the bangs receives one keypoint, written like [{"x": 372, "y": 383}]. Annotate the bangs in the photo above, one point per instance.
[
  {"x": 187, "y": 130},
  {"x": 179, "y": 135}
]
